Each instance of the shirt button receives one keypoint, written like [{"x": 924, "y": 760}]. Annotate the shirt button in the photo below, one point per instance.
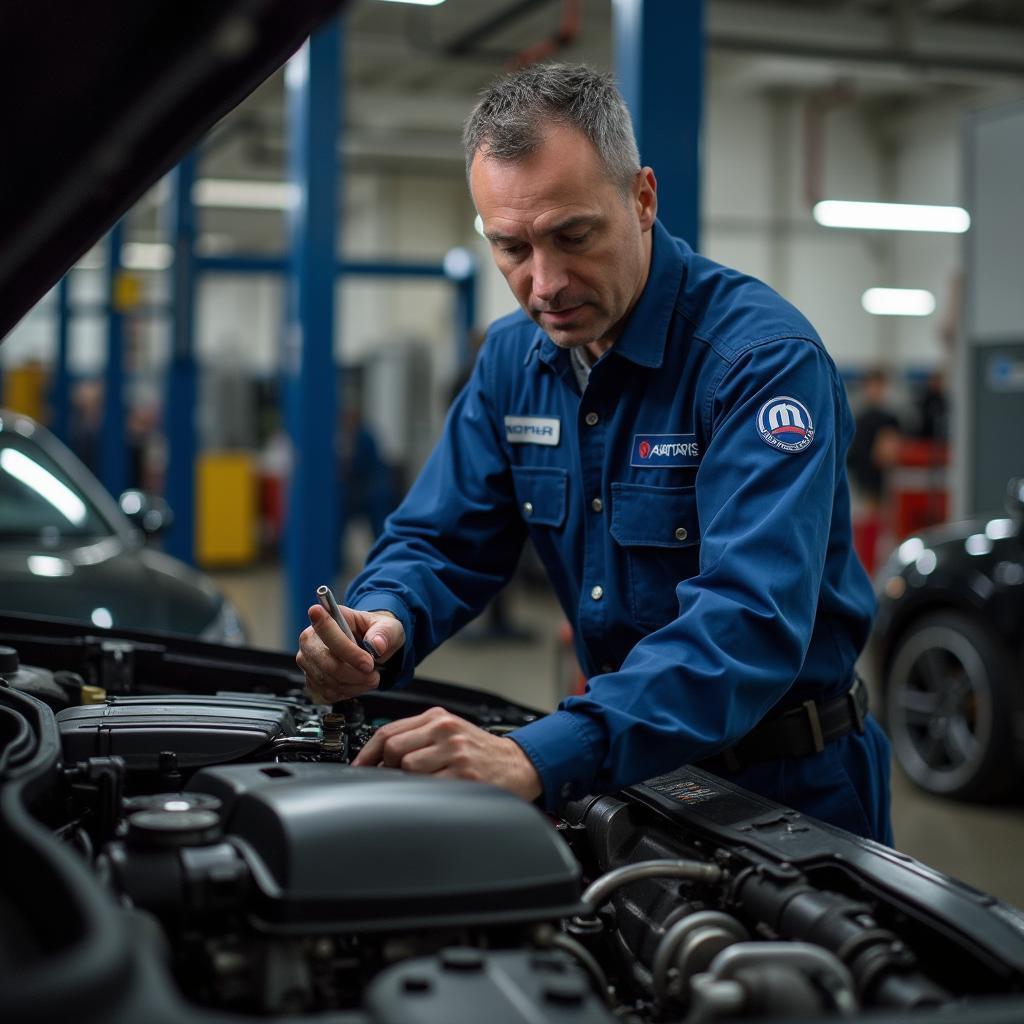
[
  {"x": 597, "y": 504},
  {"x": 597, "y": 593},
  {"x": 528, "y": 510},
  {"x": 681, "y": 533},
  {"x": 591, "y": 419}
]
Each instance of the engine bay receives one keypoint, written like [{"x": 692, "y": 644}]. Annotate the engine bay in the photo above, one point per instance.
[{"x": 185, "y": 839}]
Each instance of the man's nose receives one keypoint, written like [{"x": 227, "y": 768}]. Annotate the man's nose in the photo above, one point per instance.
[{"x": 550, "y": 276}]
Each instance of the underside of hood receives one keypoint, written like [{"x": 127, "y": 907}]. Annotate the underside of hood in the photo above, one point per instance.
[{"x": 103, "y": 98}]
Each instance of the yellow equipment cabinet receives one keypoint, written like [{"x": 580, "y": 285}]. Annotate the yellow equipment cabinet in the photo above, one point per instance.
[
  {"x": 24, "y": 390},
  {"x": 227, "y": 509}
]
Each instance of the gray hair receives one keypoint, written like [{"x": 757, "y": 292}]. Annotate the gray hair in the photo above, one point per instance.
[{"x": 510, "y": 118}]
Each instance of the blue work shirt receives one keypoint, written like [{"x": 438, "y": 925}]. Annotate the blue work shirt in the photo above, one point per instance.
[{"x": 692, "y": 511}]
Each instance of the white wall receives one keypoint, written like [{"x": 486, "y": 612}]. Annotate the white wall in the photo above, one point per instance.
[{"x": 755, "y": 216}]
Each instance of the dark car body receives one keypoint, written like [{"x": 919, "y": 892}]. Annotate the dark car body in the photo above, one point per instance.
[
  {"x": 68, "y": 550},
  {"x": 948, "y": 648}
]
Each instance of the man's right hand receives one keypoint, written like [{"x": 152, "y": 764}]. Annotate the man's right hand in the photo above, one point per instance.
[{"x": 335, "y": 668}]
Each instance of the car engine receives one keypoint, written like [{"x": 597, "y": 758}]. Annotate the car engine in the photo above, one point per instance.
[{"x": 184, "y": 839}]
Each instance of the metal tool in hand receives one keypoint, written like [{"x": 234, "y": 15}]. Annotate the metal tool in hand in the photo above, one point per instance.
[
  {"x": 327, "y": 599},
  {"x": 325, "y": 596}
]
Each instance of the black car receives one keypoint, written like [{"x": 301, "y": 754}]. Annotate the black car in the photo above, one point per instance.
[
  {"x": 183, "y": 836},
  {"x": 949, "y": 651},
  {"x": 68, "y": 550}
]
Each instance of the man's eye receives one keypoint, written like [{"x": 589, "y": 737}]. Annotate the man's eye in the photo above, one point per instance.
[
  {"x": 511, "y": 250},
  {"x": 575, "y": 239}
]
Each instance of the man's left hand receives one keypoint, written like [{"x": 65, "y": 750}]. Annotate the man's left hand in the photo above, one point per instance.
[{"x": 440, "y": 743}]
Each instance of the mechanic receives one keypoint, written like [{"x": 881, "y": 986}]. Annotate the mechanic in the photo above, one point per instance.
[{"x": 671, "y": 434}]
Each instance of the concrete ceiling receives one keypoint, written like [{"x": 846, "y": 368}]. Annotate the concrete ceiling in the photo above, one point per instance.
[{"x": 412, "y": 73}]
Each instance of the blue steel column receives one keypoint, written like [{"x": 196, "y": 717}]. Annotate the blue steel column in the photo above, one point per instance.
[
  {"x": 181, "y": 391},
  {"x": 465, "y": 318},
  {"x": 314, "y": 100},
  {"x": 659, "y": 62},
  {"x": 60, "y": 388},
  {"x": 113, "y": 449}
]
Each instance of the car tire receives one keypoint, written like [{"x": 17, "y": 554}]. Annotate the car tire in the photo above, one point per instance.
[{"x": 949, "y": 708}]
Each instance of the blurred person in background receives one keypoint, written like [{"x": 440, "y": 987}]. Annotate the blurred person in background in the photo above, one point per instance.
[
  {"x": 874, "y": 452},
  {"x": 932, "y": 406},
  {"x": 368, "y": 479}
]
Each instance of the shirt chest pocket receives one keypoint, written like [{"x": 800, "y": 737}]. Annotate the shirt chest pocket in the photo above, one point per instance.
[
  {"x": 541, "y": 494},
  {"x": 658, "y": 533}
]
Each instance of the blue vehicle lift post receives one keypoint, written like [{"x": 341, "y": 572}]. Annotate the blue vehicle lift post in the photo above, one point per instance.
[
  {"x": 180, "y": 399},
  {"x": 60, "y": 387},
  {"x": 313, "y": 83},
  {"x": 659, "y": 61},
  {"x": 113, "y": 449}
]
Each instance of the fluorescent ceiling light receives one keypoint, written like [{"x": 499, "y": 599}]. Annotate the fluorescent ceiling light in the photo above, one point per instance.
[
  {"x": 419, "y": 3},
  {"x": 838, "y": 213},
  {"x": 146, "y": 255},
  {"x": 898, "y": 302},
  {"x": 245, "y": 195},
  {"x": 44, "y": 483}
]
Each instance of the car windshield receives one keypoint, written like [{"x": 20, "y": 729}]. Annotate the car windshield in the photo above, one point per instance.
[{"x": 38, "y": 500}]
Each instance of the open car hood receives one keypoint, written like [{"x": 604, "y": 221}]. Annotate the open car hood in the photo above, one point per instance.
[{"x": 102, "y": 99}]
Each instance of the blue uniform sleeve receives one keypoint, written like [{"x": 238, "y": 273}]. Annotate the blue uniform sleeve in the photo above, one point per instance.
[
  {"x": 765, "y": 492},
  {"x": 454, "y": 540}
]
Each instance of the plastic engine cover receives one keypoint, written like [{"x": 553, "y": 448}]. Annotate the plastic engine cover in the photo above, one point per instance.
[
  {"x": 200, "y": 730},
  {"x": 356, "y": 849}
]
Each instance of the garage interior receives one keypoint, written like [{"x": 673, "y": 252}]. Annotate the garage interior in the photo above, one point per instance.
[{"x": 167, "y": 357}]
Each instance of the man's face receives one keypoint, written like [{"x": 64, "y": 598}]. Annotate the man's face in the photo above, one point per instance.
[{"x": 574, "y": 252}]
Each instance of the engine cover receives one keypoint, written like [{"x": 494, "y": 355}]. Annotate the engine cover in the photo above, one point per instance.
[
  {"x": 369, "y": 849},
  {"x": 199, "y": 730}
]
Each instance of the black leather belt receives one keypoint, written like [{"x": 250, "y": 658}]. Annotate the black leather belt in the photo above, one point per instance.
[{"x": 803, "y": 730}]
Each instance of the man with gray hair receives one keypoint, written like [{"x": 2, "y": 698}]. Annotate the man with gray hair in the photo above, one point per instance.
[{"x": 671, "y": 435}]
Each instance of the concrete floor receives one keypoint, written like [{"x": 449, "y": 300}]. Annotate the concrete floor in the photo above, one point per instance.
[{"x": 983, "y": 846}]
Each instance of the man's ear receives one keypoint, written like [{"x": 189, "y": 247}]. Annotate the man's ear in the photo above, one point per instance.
[{"x": 646, "y": 197}]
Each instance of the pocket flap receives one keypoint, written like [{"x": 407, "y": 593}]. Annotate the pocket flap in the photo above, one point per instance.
[
  {"x": 660, "y": 517},
  {"x": 542, "y": 494}
]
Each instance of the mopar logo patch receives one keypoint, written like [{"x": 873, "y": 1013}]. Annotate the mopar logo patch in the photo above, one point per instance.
[
  {"x": 533, "y": 429},
  {"x": 665, "y": 450},
  {"x": 785, "y": 424}
]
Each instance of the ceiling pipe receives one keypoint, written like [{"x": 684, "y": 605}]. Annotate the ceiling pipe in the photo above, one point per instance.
[
  {"x": 916, "y": 60},
  {"x": 568, "y": 29},
  {"x": 816, "y": 110}
]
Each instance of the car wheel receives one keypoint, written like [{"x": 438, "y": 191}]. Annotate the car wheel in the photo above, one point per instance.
[{"x": 949, "y": 708}]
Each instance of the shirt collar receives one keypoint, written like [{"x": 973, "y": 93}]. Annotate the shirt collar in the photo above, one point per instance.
[{"x": 643, "y": 340}]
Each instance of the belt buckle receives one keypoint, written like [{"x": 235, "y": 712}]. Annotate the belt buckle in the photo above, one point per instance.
[
  {"x": 814, "y": 720},
  {"x": 855, "y": 709}
]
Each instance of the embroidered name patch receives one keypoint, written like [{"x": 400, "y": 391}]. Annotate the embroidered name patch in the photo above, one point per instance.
[
  {"x": 533, "y": 429},
  {"x": 785, "y": 424},
  {"x": 665, "y": 450}
]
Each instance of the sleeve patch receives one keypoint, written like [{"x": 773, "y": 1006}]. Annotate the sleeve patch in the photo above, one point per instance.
[{"x": 785, "y": 424}]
